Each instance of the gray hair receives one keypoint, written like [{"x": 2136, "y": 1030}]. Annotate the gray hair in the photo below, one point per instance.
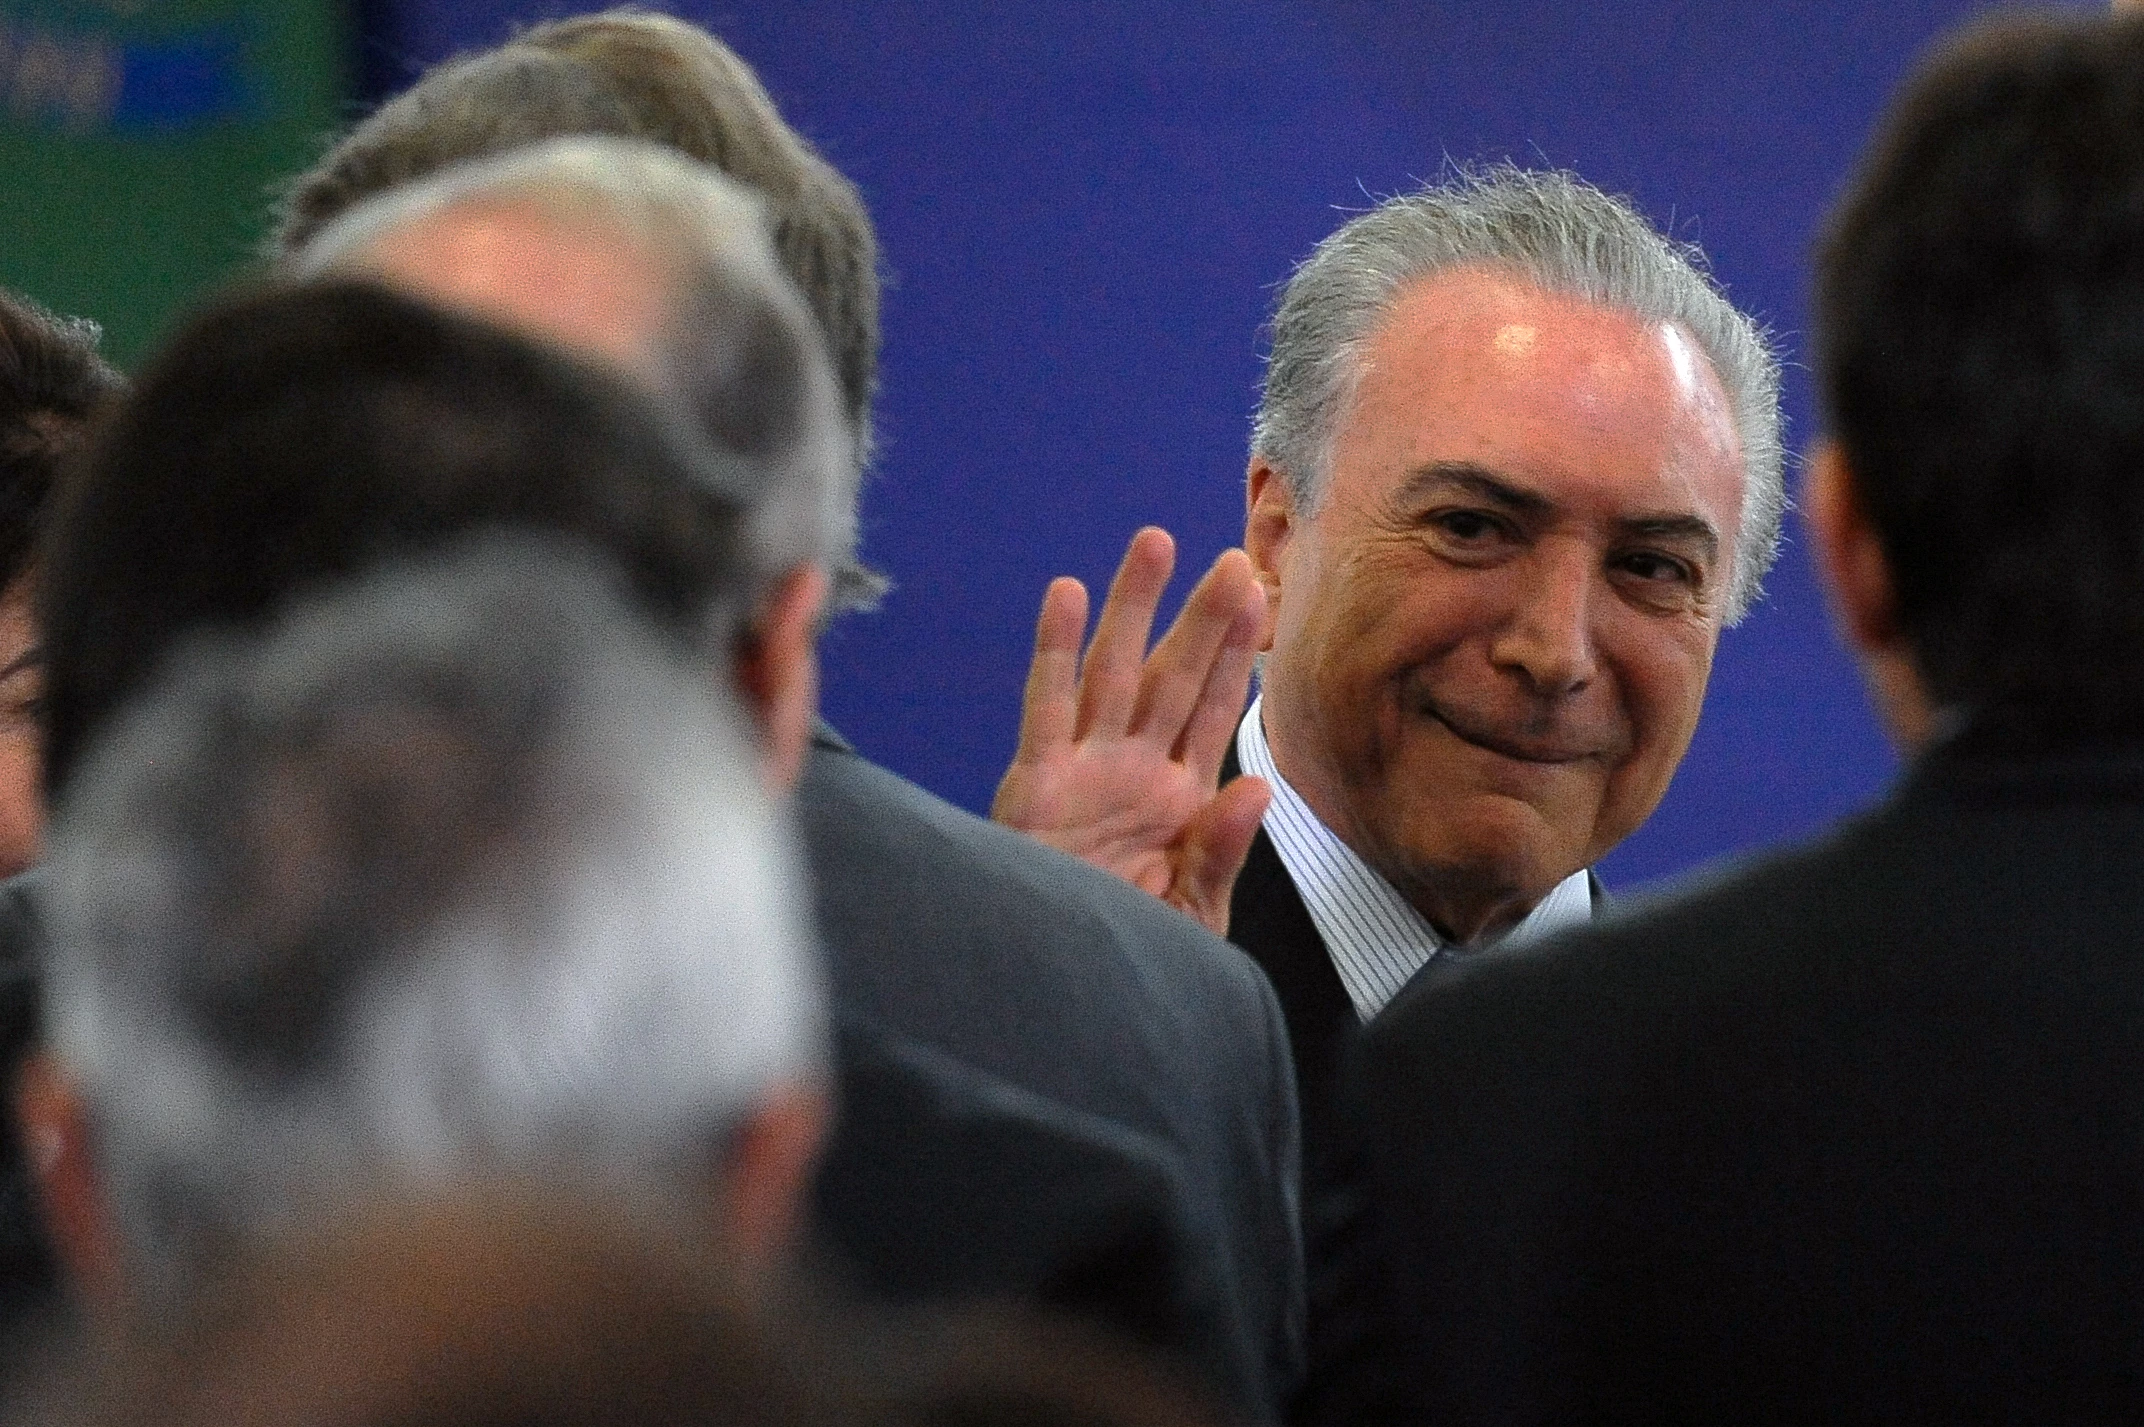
[
  {"x": 1553, "y": 230},
  {"x": 740, "y": 351},
  {"x": 458, "y": 869}
]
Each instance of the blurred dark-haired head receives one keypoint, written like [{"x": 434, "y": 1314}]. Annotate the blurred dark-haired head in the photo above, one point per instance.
[
  {"x": 52, "y": 382},
  {"x": 1980, "y": 321},
  {"x": 291, "y": 437}
]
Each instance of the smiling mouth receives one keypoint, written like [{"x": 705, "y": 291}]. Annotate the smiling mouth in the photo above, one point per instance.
[{"x": 1543, "y": 752}]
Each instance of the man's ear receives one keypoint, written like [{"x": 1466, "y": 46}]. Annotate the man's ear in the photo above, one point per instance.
[
  {"x": 1269, "y": 523},
  {"x": 767, "y": 1181},
  {"x": 778, "y": 671},
  {"x": 1864, "y": 599},
  {"x": 53, "y": 1122},
  {"x": 1849, "y": 555}
]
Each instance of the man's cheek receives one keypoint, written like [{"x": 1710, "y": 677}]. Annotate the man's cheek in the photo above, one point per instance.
[{"x": 1670, "y": 705}]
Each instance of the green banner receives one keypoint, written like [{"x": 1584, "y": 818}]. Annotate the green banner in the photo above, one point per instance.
[{"x": 141, "y": 140}]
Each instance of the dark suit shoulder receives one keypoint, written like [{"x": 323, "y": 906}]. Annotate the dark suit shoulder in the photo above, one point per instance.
[
  {"x": 1659, "y": 950},
  {"x": 1841, "y": 1092}
]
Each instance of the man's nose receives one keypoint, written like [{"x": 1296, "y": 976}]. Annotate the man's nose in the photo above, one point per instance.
[{"x": 1548, "y": 639}]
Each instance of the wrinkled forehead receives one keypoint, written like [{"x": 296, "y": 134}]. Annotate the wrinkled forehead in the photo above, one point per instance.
[
  {"x": 1506, "y": 324},
  {"x": 1573, "y": 399}
]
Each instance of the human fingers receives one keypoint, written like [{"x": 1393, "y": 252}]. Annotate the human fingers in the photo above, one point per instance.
[
  {"x": 1049, "y": 705},
  {"x": 1109, "y": 676},
  {"x": 1182, "y": 664},
  {"x": 1213, "y": 719}
]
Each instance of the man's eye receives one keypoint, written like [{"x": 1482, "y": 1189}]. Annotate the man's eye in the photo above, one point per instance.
[
  {"x": 1656, "y": 569},
  {"x": 1467, "y": 525}
]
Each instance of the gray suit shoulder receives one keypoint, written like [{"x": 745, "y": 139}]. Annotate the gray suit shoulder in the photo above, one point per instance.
[
  {"x": 877, "y": 842},
  {"x": 1059, "y": 978}
]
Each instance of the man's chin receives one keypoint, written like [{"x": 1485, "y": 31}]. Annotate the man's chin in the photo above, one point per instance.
[{"x": 1480, "y": 848}]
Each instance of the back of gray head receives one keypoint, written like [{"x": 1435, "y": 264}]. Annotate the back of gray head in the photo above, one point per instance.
[
  {"x": 461, "y": 869},
  {"x": 739, "y": 344},
  {"x": 1553, "y": 230}
]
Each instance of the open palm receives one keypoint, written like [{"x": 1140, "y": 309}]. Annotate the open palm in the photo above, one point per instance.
[{"x": 1120, "y": 752}]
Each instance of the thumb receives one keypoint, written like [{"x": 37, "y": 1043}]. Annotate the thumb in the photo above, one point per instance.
[{"x": 1214, "y": 844}]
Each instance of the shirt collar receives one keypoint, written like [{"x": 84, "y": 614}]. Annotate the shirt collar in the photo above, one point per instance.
[{"x": 1376, "y": 938}]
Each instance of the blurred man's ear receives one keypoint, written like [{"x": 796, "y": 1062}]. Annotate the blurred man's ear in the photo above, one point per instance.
[
  {"x": 767, "y": 1181},
  {"x": 53, "y": 1123},
  {"x": 778, "y": 672},
  {"x": 1864, "y": 601}
]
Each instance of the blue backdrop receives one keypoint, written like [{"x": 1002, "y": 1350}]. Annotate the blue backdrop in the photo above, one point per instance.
[{"x": 1085, "y": 209}]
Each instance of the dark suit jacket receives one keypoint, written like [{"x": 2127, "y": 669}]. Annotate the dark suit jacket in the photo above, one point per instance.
[
  {"x": 1056, "y": 977},
  {"x": 1854, "y": 1134},
  {"x": 1268, "y": 919},
  {"x": 940, "y": 1182}
]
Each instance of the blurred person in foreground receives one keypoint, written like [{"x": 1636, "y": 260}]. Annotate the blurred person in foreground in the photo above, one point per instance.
[
  {"x": 1011, "y": 958},
  {"x": 460, "y": 870},
  {"x": 1850, "y": 1134},
  {"x": 569, "y": 1305},
  {"x": 635, "y": 255},
  {"x": 293, "y": 438},
  {"x": 52, "y": 383},
  {"x": 497, "y": 1301}
]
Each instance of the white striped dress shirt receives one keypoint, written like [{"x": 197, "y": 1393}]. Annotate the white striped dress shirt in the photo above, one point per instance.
[{"x": 1376, "y": 938}]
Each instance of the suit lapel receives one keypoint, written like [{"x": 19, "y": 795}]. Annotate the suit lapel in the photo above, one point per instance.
[{"x": 1268, "y": 920}]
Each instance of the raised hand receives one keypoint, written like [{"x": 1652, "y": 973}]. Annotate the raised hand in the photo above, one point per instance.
[{"x": 1120, "y": 752}]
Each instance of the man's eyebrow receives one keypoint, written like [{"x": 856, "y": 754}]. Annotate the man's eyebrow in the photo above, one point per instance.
[
  {"x": 1441, "y": 477},
  {"x": 1693, "y": 528},
  {"x": 1477, "y": 481}
]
